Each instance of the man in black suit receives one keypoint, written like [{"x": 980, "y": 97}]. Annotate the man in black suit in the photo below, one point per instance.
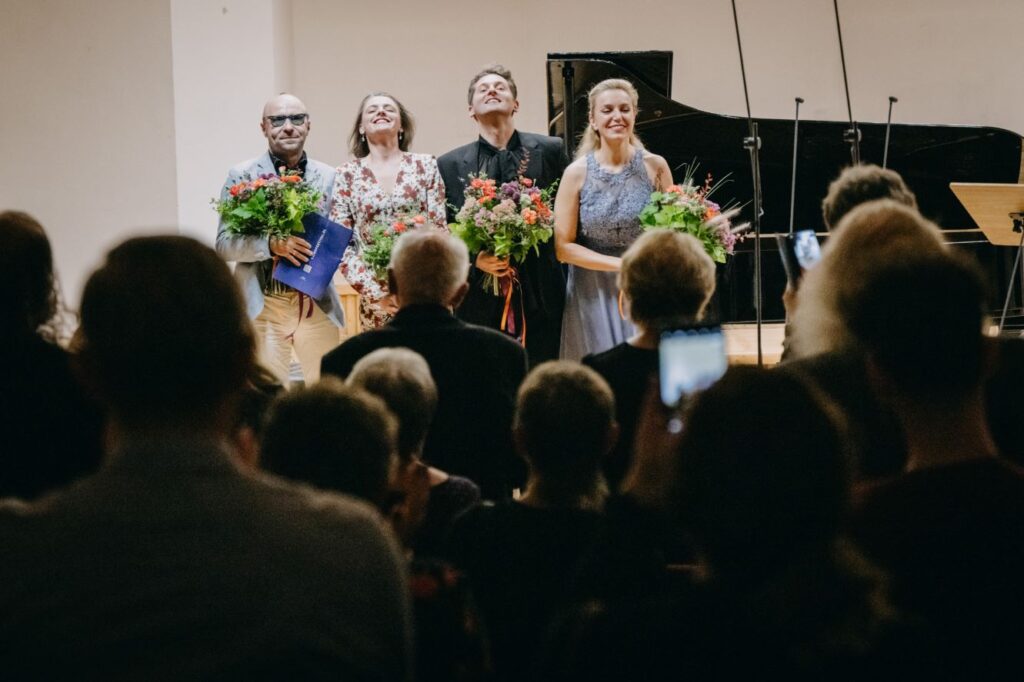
[
  {"x": 477, "y": 370},
  {"x": 504, "y": 153}
]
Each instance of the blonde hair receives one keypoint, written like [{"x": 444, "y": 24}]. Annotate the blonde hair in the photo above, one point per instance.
[
  {"x": 667, "y": 277},
  {"x": 871, "y": 237},
  {"x": 590, "y": 140}
]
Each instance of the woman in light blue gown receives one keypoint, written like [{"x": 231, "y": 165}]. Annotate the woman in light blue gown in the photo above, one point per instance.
[{"x": 597, "y": 217}]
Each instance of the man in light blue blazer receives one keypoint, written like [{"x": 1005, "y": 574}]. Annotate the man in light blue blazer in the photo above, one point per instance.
[{"x": 283, "y": 317}]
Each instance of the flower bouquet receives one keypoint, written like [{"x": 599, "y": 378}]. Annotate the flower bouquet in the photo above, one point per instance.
[
  {"x": 269, "y": 206},
  {"x": 275, "y": 207},
  {"x": 508, "y": 221},
  {"x": 686, "y": 207},
  {"x": 377, "y": 253}
]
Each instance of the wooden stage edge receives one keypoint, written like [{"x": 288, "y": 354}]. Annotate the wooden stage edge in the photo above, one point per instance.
[
  {"x": 741, "y": 342},
  {"x": 740, "y": 338}
]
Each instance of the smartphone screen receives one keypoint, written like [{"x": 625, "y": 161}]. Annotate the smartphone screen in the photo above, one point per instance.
[
  {"x": 690, "y": 360},
  {"x": 799, "y": 252}
]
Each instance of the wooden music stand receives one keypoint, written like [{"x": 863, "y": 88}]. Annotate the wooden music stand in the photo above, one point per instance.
[{"x": 998, "y": 211}]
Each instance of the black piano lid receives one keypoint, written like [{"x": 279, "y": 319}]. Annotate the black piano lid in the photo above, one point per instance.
[{"x": 929, "y": 157}]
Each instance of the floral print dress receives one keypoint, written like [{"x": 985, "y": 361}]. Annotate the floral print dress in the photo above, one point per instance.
[{"x": 361, "y": 203}]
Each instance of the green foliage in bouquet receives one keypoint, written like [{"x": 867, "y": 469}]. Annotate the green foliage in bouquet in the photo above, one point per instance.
[{"x": 269, "y": 206}]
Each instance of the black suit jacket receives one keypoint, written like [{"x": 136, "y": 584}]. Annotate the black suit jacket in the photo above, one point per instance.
[
  {"x": 542, "y": 277},
  {"x": 477, "y": 372}
]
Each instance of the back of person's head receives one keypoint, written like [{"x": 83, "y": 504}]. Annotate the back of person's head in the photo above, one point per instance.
[
  {"x": 860, "y": 184},
  {"x": 565, "y": 421},
  {"x": 667, "y": 277},
  {"x": 401, "y": 378},
  {"x": 761, "y": 485},
  {"x": 334, "y": 437},
  {"x": 166, "y": 335},
  {"x": 870, "y": 237},
  {"x": 920, "y": 322},
  {"x": 429, "y": 266},
  {"x": 26, "y": 277}
]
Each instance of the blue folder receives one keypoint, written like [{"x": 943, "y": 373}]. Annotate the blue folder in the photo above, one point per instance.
[{"x": 328, "y": 241}]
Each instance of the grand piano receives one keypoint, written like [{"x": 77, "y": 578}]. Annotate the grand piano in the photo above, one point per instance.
[{"x": 928, "y": 157}]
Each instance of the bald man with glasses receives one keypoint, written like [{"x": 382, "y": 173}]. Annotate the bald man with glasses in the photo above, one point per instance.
[{"x": 284, "y": 318}]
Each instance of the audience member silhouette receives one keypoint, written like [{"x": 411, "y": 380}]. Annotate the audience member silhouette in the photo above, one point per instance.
[
  {"x": 860, "y": 184},
  {"x": 868, "y": 238},
  {"x": 172, "y": 561},
  {"x": 855, "y": 185},
  {"x": 334, "y": 437},
  {"x": 948, "y": 528},
  {"x": 666, "y": 280},
  {"x": 345, "y": 438},
  {"x": 477, "y": 370},
  {"x": 53, "y": 432},
  {"x": 777, "y": 591},
  {"x": 521, "y": 555},
  {"x": 401, "y": 378}
]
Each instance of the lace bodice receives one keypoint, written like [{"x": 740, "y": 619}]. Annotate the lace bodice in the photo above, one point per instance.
[{"x": 610, "y": 205}]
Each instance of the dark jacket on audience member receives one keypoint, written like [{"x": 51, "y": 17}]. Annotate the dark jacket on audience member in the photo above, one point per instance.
[
  {"x": 952, "y": 539},
  {"x": 477, "y": 372},
  {"x": 715, "y": 632},
  {"x": 521, "y": 562},
  {"x": 628, "y": 370},
  {"x": 877, "y": 440},
  {"x": 173, "y": 563}
]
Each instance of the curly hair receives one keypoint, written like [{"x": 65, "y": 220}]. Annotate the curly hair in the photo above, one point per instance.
[
  {"x": 28, "y": 278},
  {"x": 859, "y": 184}
]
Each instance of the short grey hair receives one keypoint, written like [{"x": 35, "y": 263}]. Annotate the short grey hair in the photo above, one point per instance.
[
  {"x": 429, "y": 265},
  {"x": 401, "y": 378}
]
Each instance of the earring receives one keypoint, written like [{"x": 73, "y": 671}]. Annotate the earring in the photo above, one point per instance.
[{"x": 362, "y": 137}]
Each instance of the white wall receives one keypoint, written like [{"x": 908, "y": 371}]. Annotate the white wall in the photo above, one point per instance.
[
  {"x": 87, "y": 123},
  {"x": 229, "y": 57},
  {"x": 948, "y": 61}
]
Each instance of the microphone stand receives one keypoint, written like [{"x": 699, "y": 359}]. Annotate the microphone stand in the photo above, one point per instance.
[
  {"x": 851, "y": 136},
  {"x": 752, "y": 143},
  {"x": 792, "y": 184},
  {"x": 888, "y": 125}
]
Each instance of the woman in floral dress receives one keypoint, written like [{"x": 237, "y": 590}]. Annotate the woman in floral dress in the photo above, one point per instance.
[{"x": 383, "y": 182}]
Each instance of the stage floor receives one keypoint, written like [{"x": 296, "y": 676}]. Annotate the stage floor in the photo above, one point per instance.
[{"x": 741, "y": 342}]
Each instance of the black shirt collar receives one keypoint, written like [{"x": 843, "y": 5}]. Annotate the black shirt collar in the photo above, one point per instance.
[
  {"x": 489, "y": 149},
  {"x": 278, "y": 162}
]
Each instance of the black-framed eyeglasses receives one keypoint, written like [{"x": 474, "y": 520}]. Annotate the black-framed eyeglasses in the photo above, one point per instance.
[{"x": 278, "y": 121}]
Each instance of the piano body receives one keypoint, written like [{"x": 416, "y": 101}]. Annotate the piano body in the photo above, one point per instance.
[{"x": 928, "y": 157}]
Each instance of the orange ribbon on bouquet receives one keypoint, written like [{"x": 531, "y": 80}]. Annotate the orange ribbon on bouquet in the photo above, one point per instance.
[{"x": 509, "y": 284}]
